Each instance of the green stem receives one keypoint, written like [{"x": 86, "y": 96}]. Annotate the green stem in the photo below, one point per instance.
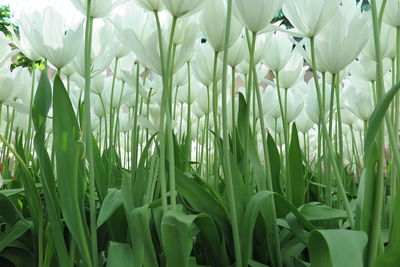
[
  {"x": 215, "y": 117},
  {"x": 286, "y": 138},
  {"x": 162, "y": 176},
  {"x": 376, "y": 209},
  {"x": 226, "y": 153},
  {"x": 327, "y": 140},
  {"x": 87, "y": 133},
  {"x": 189, "y": 128},
  {"x": 233, "y": 92}
]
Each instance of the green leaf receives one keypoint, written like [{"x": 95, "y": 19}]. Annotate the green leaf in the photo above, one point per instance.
[
  {"x": 391, "y": 257},
  {"x": 40, "y": 109},
  {"x": 337, "y": 248},
  {"x": 177, "y": 239},
  {"x": 143, "y": 248},
  {"x": 66, "y": 136},
  {"x": 296, "y": 169},
  {"x": 259, "y": 203},
  {"x": 119, "y": 255},
  {"x": 8, "y": 211},
  {"x": 100, "y": 172},
  {"x": 318, "y": 212},
  {"x": 15, "y": 231},
  {"x": 110, "y": 204},
  {"x": 377, "y": 117},
  {"x": 275, "y": 161},
  {"x": 200, "y": 199},
  {"x": 252, "y": 155},
  {"x": 141, "y": 177}
]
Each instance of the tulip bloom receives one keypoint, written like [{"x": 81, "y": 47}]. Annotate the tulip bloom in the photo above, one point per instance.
[
  {"x": 309, "y": 17},
  {"x": 255, "y": 15},
  {"x": 183, "y": 8},
  {"x": 100, "y": 8},
  {"x": 50, "y": 37},
  {"x": 213, "y": 22}
]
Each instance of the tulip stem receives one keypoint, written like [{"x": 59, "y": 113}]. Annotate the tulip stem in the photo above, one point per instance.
[
  {"x": 233, "y": 69},
  {"x": 327, "y": 139},
  {"x": 215, "y": 117},
  {"x": 277, "y": 259},
  {"x": 87, "y": 133},
  {"x": 226, "y": 154},
  {"x": 188, "y": 129},
  {"x": 163, "y": 182},
  {"x": 28, "y": 133},
  {"x": 134, "y": 142},
  {"x": 374, "y": 226},
  {"x": 283, "y": 109},
  {"x": 168, "y": 102}
]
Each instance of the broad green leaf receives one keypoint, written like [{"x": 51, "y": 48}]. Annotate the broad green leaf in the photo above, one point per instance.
[
  {"x": 199, "y": 198},
  {"x": 257, "y": 204},
  {"x": 337, "y": 248},
  {"x": 119, "y": 255},
  {"x": 143, "y": 248},
  {"x": 275, "y": 163},
  {"x": 213, "y": 243},
  {"x": 141, "y": 177},
  {"x": 8, "y": 211},
  {"x": 296, "y": 169},
  {"x": 378, "y": 116},
  {"x": 391, "y": 257},
  {"x": 253, "y": 157},
  {"x": 40, "y": 109},
  {"x": 68, "y": 157},
  {"x": 316, "y": 211},
  {"x": 177, "y": 239},
  {"x": 14, "y": 232},
  {"x": 100, "y": 172},
  {"x": 110, "y": 204}
]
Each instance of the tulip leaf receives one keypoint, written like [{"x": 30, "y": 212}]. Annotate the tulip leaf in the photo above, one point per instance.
[
  {"x": 200, "y": 199},
  {"x": 337, "y": 248},
  {"x": 67, "y": 153},
  {"x": 377, "y": 117},
  {"x": 8, "y": 211},
  {"x": 320, "y": 212},
  {"x": 391, "y": 257},
  {"x": 111, "y": 203},
  {"x": 14, "y": 232},
  {"x": 257, "y": 203},
  {"x": 274, "y": 160},
  {"x": 119, "y": 255},
  {"x": 296, "y": 169},
  {"x": 100, "y": 172},
  {"x": 176, "y": 229},
  {"x": 143, "y": 248},
  {"x": 40, "y": 109}
]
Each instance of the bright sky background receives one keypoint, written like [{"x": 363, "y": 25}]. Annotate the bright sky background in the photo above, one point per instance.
[{"x": 19, "y": 6}]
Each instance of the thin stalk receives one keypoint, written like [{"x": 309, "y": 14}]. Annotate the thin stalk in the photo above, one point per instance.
[
  {"x": 87, "y": 133},
  {"x": 161, "y": 134},
  {"x": 327, "y": 140},
  {"x": 215, "y": 117},
  {"x": 286, "y": 138},
  {"x": 189, "y": 128},
  {"x": 134, "y": 141},
  {"x": 29, "y": 131},
  {"x": 226, "y": 153},
  {"x": 251, "y": 43},
  {"x": 105, "y": 121},
  {"x": 233, "y": 92},
  {"x": 111, "y": 102},
  {"x": 375, "y": 227}
]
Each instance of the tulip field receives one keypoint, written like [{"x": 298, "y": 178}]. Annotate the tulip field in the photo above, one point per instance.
[{"x": 184, "y": 133}]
